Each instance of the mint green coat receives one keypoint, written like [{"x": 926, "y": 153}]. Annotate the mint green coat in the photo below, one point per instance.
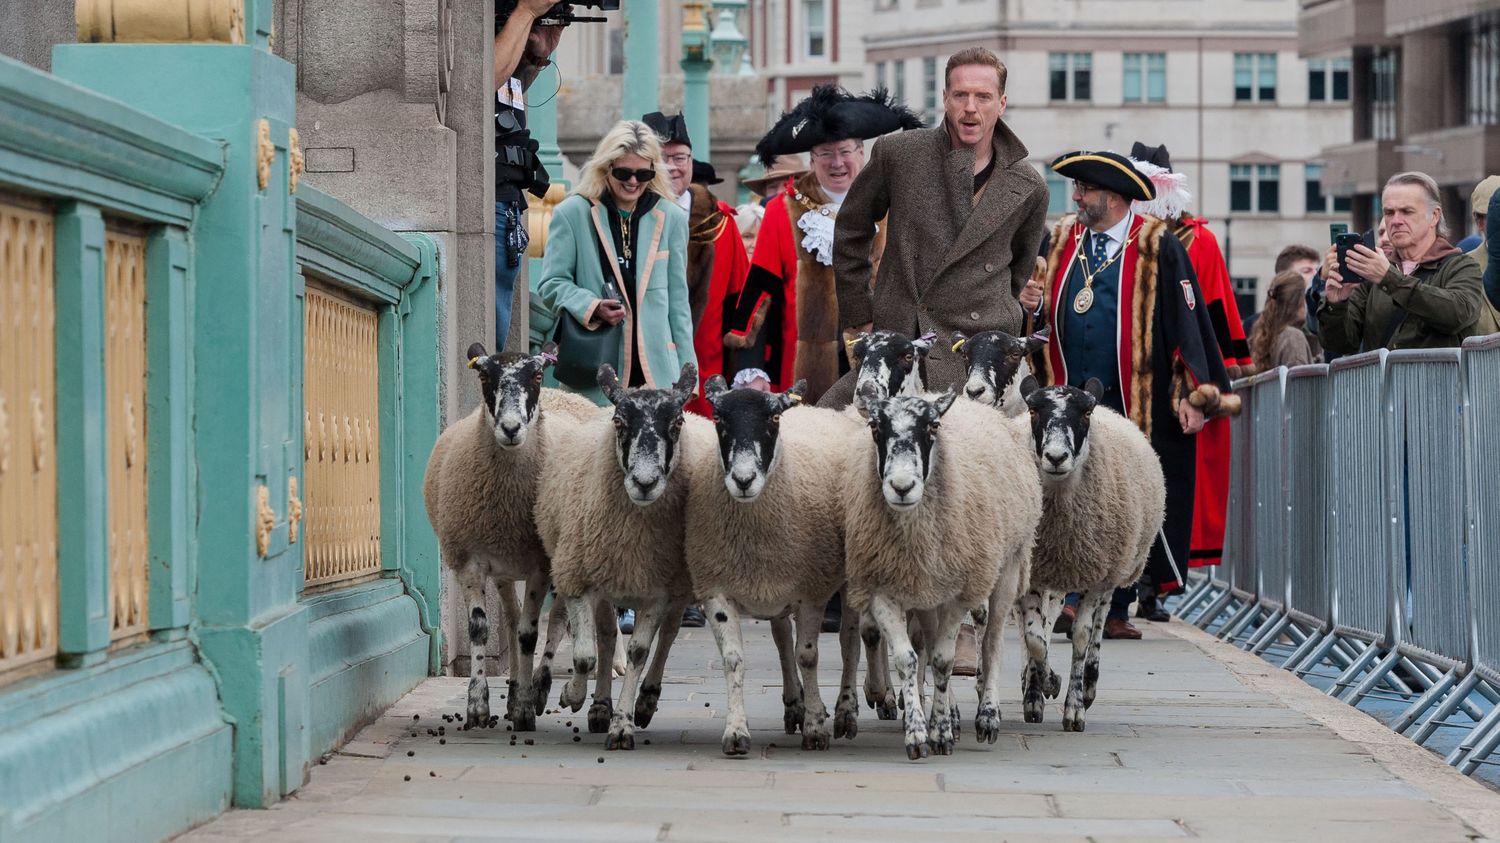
[{"x": 573, "y": 280}]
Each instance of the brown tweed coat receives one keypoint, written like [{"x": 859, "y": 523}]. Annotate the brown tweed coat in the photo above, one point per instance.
[{"x": 949, "y": 264}]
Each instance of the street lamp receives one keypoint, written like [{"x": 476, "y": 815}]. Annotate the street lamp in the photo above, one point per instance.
[
  {"x": 728, "y": 43},
  {"x": 696, "y": 62}
]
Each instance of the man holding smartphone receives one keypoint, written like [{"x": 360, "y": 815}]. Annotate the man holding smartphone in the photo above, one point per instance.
[{"x": 1419, "y": 292}]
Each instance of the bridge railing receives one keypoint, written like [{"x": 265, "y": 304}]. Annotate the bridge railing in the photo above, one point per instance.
[{"x": 1363, "y": 541}]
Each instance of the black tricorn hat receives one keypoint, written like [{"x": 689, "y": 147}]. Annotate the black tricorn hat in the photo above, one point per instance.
[
  {"x": 832, "y": 114},
  {"x": 1109, "y": 170},
  {"x": 703, "y": 173},
  {"x": 1157, "y": 155},
  {"x": 671, "y": 128}
]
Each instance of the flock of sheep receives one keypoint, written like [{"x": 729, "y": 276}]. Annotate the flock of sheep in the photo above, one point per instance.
[{"x": 922, "y": 507}]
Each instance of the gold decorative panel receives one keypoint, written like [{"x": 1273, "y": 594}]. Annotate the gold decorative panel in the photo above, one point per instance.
[
  {"x": 125, "y": 397},
  {"x": 28, "y": 440},
  {"x": 341, "y": 423}
]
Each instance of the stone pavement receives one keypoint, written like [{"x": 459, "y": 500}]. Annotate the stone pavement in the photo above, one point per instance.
[{"x": 1189, "y": 738}]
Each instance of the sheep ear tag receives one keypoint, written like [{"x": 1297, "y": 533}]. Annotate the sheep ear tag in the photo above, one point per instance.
[
  {"x": 474, "y": 362},
  {"x": 958, "y": 345}
]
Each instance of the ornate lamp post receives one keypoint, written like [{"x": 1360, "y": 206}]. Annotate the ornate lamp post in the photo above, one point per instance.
[
  {"x": 696, "y": 62},
  {"x": 729, "y": 45}
]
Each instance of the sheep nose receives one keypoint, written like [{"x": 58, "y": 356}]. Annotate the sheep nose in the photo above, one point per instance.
[
  {"x": 974, "y": 391},
  {"x": 1055, "y": 458},
  {"x": 645, "y": 484},
  {"x": 903, "y": 487},
  {"x": 743, "y": 482},
  {"x": 511, "y": 431}
]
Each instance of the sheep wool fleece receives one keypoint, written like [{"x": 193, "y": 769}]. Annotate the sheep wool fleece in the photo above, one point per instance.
[{"x": 979, "y": 511}]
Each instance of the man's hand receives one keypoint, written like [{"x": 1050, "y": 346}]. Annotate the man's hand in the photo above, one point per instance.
[
  {"x": 536, "y": 8},
  {"x": 1190, "y": 417},
  {"x": 1031, "y": 294},
  {"x": 1367, "y": 263},
  {"x": 1334, "y": 288},
  {"x": 610, "y": 311}
]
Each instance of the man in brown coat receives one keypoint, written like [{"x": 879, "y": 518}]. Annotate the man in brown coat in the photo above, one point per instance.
[{"x": 966, "y": 217}]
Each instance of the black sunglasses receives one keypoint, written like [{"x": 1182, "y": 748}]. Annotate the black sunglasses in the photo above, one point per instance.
[{"x": 623, "y": 174}]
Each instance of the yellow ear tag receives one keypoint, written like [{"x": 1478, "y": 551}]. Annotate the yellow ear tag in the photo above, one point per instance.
[
  {"x": 958, "y": 345},
  {"x": 796, "y": 399},
  {"x": 474, "y": 362},
  {"x": 850, "y": 343}
]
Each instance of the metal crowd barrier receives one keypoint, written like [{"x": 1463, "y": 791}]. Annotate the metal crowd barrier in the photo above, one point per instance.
[{"x": 1362, "y": 542}]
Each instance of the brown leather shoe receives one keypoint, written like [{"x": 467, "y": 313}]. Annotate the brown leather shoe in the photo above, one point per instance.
[
  {"x": 1064, "y": 622},
  {"x": 966, "y": 652},
  {"x": 1120, "y": 628}
]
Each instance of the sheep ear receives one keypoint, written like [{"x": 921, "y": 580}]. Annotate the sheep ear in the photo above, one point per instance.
[
  {"x": 868, "y": 400},
  {"x": 610, "y": 383},
  {"x": 715, "y": 387},
  {"x": 1038, "y": 340},
  {"x": 687, "y": 382},
  {"x": 958, "y": 339},
  {"x": 945, "y": 401},
  {"x": 924, "y": 343},
  {"x": 1028, "y": 386},
  {"x": 549, "y": 354},
  {"x": 792, "y": 397},
  {"x": 1095, "y": 388},
  {"x": 859, "y": 346},
  {"x": 475, "y": 355}
]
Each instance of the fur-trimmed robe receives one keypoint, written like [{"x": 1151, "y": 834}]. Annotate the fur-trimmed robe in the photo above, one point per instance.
[
  {"x": 1212, "y": 488},
  {"x": 792, "y": 298},
  {"x": 1166, "y": 349},
  {"x": 716, "y": 269}
]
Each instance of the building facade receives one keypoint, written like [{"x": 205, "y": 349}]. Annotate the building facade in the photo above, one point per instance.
[{"x": 1425, "y": 95}]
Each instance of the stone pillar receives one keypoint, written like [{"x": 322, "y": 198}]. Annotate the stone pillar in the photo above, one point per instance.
[
  {"x": 642, "y": 58},
  {"x": 29, "y": 29},
  {"x": 696, "y": 63},
  {"x": 247, "y": 312}
]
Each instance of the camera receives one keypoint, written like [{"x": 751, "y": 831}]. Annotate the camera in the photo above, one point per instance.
[{"x": 561, "y": 14}]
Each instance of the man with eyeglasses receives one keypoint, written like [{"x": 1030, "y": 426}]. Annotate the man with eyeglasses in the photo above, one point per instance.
[
  {"x": 716, "y": 259},
  {"x": 1124, "y": 306},
  {"x": 790, "y": 300}
]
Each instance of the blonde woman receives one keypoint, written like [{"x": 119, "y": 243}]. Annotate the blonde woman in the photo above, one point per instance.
[{"x": 616, "y": 266}]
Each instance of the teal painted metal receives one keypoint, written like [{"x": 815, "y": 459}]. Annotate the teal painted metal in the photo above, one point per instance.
[
  {"x": 170, "y": 477},
  {"x": 696, "y": 63},
  {"x": 82, "y": 485},
  {"x": 338, "y": 243},
  {"x": 642, "y": 57}
]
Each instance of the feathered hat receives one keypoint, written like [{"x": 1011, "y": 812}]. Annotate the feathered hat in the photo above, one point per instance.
[
  {"x": 671, "y": 128},
  {"x": 832, "y": 114},
  {"x": 1109, "y": 170},
  {"x": 1172, "y": 196}
]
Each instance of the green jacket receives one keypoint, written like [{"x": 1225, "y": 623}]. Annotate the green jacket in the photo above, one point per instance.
[
  {"x": 1441, "y": 300},
  {"x": 572, "y": 279}
]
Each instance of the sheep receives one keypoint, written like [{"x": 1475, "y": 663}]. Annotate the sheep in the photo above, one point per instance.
[
  {"x": 1104, "y": 499},
  {"x": 997, "y": 365},
  {"x": 765, "y": 538},
  {"x": 935, "y": 532},
  {"x": 613, "y": 529},
  {"x": 479, "y": 491}
]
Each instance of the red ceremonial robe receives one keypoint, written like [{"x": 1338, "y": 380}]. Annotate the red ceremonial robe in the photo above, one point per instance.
[
  {"x": 730, "y": 266},
  {"x": 774, "y": 297}
]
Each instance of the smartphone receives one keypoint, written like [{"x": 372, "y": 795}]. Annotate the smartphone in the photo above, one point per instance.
[
  {"x": 1335, "y": 229},
  {"x": 1344, "y": 242}
]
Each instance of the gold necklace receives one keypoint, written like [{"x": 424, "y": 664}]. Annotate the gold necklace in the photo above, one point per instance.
[
  {"x": 1085, "y": 298},
  {"x": 625, "y": 236}
]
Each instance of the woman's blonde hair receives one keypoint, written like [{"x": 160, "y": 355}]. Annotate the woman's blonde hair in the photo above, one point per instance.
[{"x": 628, "y": 137}]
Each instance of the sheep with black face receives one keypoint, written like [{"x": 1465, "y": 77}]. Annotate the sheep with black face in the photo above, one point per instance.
[
  {"x": 939, "y": 521},
  {"x": 997, "y": 365},
  {"x": 479, "y": 490},
  {"x": 1104, "y": 501},
  {"x": 610, "y": 512},
  {"x": 765, "y": 539}
]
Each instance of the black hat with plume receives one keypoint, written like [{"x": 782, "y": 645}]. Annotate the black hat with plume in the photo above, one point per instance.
[
  {"x": 832, "y": 114},
  {"x": 671, "y": 128}
]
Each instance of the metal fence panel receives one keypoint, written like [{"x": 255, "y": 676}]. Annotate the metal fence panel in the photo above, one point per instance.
[
  {"x": 1481, "y": 378},
  {"x": 1308, "y": 466},
  {"x": 125, "y": 388},
  {"x": 1239, "y": 552},
  {"x": 1359, "y": 559},
  {"x": 1268, "y": 454},
  {"x": 1428, "y": 436}
]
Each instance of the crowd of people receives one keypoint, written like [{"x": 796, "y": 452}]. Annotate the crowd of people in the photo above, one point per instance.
[{"x": 942, "y": 229}]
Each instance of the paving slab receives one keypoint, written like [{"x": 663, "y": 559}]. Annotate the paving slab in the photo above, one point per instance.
[{"x": 1189, "y": 739}]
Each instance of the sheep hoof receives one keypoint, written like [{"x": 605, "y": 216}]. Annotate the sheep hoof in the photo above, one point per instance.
[
  {"x": 736, "y": 743},
  {"x": 987, "y": 725},
  {"x": 479, "y": 701},
  {"x": 941, "y": 739},
  {"x": 512, "y": 698},
  {"x": 541, "y": 687},
  {"x": 572, "y": 696},
  {"x": 599, "y": 716},
  {"x": 523, "y": 717},
  {"x": 1053, "y": 686},
  {"x": 1033, "y": 713},
  {"x": 886, "y": 710},
  {"x": 917, "y": 751},
  {"x": 791, "y": 717},
  {"x": 645, "y": 705},
  {"x": 846, "y": 721},
  {"x": 619, "y": 739},
  {"x": 1072, "y": 721}
]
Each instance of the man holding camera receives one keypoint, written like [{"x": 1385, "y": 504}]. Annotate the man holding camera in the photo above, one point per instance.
[
  {"x": 525, "y": 37},
  {"x": 1419, "y": 292}
]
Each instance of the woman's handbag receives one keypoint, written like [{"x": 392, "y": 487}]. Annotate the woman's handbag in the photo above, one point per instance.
[{"x": 580, "y": 351}]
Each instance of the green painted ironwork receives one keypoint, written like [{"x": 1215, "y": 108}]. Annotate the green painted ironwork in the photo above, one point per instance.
[{"x": 642, "y": 57}]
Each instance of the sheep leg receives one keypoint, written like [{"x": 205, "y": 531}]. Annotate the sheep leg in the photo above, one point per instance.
[
  {"x": 1088, "y": 625},
  {"x": 622, "y": 721},
  {"x": 518, "y": 708},
  {"x": 919, "y": 643},
  {"x": 557, "y": 627},
  {"x": 607, "y": 628},
  {"x": 846, "y": 712},
  {"x": 1091, "y": 659},
  {"x": 892, "y": 620},
  {"x": 585, "y": 655},
  {"x": 1034, "y": 675},
  {"x": 815, "y": 730},
  {"x": 650, "y": 694},
  {"x": 724, "y": 620},
  {"x": 535, "y": 686},
  {"x": 878, "y": 692},
  {"x": 987, "y": 718},
  {"x": 791, "y": 685},
  {"x": 479, "y": 636},
  {"x": 942, "y": 624}
]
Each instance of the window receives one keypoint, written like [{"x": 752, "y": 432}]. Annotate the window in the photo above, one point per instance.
[
  {"x": 1255, "y": 188},
  {"x": 1317, "y": 203},
  {"x": 1071, "y": 76},
  {"x": 898, "y": 87},
  {"x": 880, "y": 74},
  {"x": 1483, "y": 94},
  {"x": 1383, "y": 69},
  {"x": 1328, "y": 81},
  {"x": 929, "y": 90},
  {"x": 814, "y": 28},
  {"x": 1254, "y": 77},
  {"x": 616, "y": 51},
  {"x": 1244, "y": 293},
  {"x": 1145, "y": 77},
  {"x": 1059, "y": 193}
]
